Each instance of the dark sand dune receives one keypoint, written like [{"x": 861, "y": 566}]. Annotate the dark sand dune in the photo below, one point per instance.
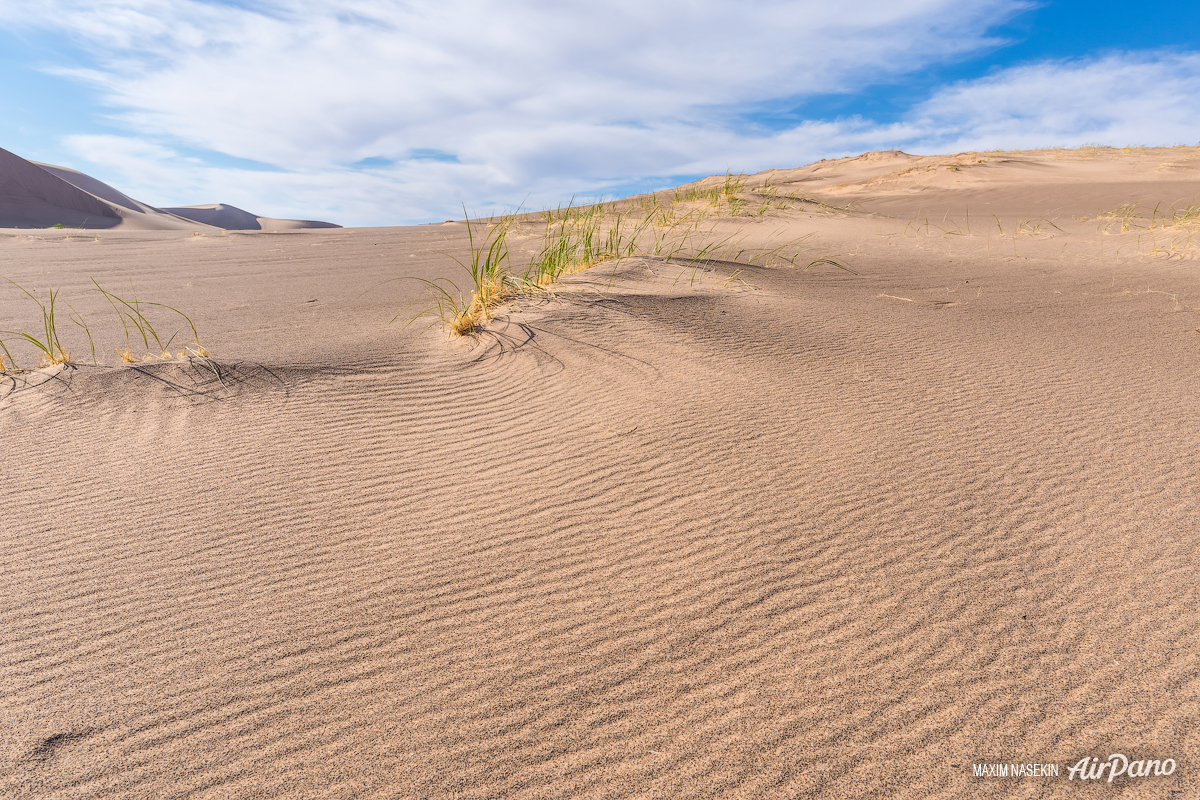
[
  {"x": 219, "y": 215},
  {"x": 661, "y": 534},
  {"x": 31, "y": 197},
  {"x": 232, "y": 218},
  {"x": 34, "y": 195}
]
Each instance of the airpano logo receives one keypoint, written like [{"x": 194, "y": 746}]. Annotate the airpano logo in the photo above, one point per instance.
[
  {"x": 1088, "y": 768},
  {"x": 1117, "y": 766}
]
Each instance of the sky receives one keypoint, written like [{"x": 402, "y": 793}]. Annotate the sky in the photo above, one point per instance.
[{"x": 382, "y": 112}]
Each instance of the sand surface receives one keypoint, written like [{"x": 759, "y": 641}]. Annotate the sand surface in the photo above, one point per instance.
[{"x": 663, "y": 534}]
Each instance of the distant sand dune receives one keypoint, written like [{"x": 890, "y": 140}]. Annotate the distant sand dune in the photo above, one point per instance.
[
  {"x": 31, "y": 197},
  {"x": 657, "y": 534},
  {"x": 233, "y": 218},
  {"x": 36, "y": 195}
]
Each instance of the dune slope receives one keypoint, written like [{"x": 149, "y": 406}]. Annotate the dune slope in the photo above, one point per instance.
[{"x": 31, "y": 197}]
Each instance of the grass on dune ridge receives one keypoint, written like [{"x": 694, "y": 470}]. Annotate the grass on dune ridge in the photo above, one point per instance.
[
  {"x": 1125, "y": 216},
  {"x": 1167, "y": 233},
  {"x": 665, "y": 226},
  {"x": 461, "y": 310}
]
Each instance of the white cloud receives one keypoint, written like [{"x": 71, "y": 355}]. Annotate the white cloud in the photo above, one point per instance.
[
  {"x": 542, "y": 100},
  {"x": 1122, "y": 99}
]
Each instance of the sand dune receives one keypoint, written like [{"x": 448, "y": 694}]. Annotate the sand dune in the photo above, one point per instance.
[
  {"x": 34, "y": 195},
  {"x": 660, "y": 533},
  {"x": 30, "y": 195},
  {"x": 232, "y": 218}
]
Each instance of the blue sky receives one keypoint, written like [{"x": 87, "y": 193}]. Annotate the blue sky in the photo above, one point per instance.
[{"x": 390, "y": 112}]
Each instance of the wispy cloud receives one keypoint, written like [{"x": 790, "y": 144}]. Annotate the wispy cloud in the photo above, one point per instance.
[{"x": 540, "y": 100}]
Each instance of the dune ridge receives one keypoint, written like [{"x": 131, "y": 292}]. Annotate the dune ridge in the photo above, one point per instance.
[{"x": 656, "y": 534}]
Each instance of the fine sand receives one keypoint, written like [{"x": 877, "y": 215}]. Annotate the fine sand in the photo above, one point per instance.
[{"x": 662, "y": 534}]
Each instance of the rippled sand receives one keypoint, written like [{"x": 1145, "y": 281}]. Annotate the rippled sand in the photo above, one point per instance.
[{"x": 799, "y": 534}]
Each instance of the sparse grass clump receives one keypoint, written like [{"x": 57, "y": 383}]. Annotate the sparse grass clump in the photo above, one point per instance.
[
  {"x": 1033, "y": 227},
  {"x": 577, "y": 238},
  {"x": 1189, "y": 216},
  {"x": 1126, "y": 214},
  {"x": 1123, "y": 215},
  {"x": 491, "y": 282},
  {"x": 727, "y": 191},
  {"x": 49, "y": 345},
  {"x": 1181, "y": 225},
  {"x": 130, "y": 314}
]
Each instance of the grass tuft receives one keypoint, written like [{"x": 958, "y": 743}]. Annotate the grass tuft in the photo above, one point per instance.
[
  {"x": 491, "y": 282},
  {"x": 131, "y": 314},
  {"x": 579, "y": 237},
  {"x": 48, "y": 344},
  {"x": 1123, "y": 215}
]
